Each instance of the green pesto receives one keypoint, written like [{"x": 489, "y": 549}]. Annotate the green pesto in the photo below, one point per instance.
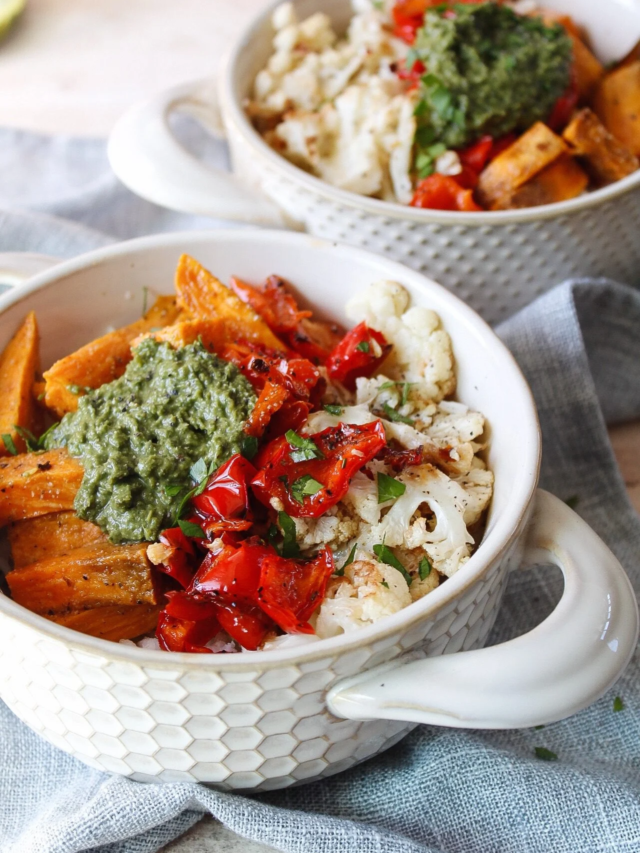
[
  {"x": 489, "y": 71},
  {"x": 138, "y": 436}
]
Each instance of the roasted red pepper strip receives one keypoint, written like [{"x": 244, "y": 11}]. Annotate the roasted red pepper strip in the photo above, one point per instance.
[
  {"x": 565, "y": 105},
  {"x": 443, "y": 192},
  {"x": 182, "y": 635},
  {"x": 298, "y": 375},
  {"x": 182, "y": 562},
  {"x": 399, "y": 459},
  {"x": 477, "y": 156},
  {"x": 290, "y": 590},
  {"x": 231, "y": 574},
  {"x": 290, "y": 416},
  {"x": 270, "y": 400},
  {"x": 344, "y": 450},
  {"x": 359, "y": 353},
  {"x": 226, "y": 495}
]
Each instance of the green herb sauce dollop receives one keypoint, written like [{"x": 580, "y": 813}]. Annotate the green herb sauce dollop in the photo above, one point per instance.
[
  {"x": 137, "y": 437},
  {"x": 489, "y": 71}
]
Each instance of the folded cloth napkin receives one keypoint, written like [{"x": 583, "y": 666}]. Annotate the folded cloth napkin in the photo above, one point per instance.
[{"x": 438, "y": 790}]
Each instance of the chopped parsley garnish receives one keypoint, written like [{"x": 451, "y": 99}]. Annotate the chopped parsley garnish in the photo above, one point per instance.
[
  {"x": 573, "y": 501},
  {"x": 386, "y": 555},
  {"x": 9, "y": 444},
  {"x": 305, "y": 486},
  {"x": 389, "y": 488},
  {"x": 305, "y": 448},
  {"x": 395, "y": 416},
  {"x": 364, "y": 346},
  {"x": 339, "y": 572},
  {"x": 199, "y": 473},
  {"x": 145, "y": 299},
  {"x": 172, "y": 491},
  {"x": 191, "y": 529},
  {"x": 424, "y": 568},
  {"x": 618, "y": 704},
  {"x": 290, "y": 547},
  {"x": 384, "y": 583},
  {"x": 333, "y": 409},
  {"x": 405, "y": 389},
  {"x": 545, "y": 754},
  {"x": 426, "y": 159},
  {"x": 249, "y": 446}
]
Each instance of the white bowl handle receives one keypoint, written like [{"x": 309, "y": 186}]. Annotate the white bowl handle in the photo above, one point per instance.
[
  {"x": 563, "y": 665},
  {"x": 148, "y": 159}
]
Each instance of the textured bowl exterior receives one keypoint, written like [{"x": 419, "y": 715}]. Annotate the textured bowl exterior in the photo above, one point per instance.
[
  {"x": 496, "y": 268},
  {"x": 251, "y": 727}
]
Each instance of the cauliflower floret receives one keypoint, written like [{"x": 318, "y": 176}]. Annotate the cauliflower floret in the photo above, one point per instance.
[
  {"x": 454, "y": 424},
  {"x": 362, "y": 497},
  {"x": 447, "y": 545},
  {"x": 478, "y": 487},
  {"x": 368, "y": 592},
  {"x": 334, "y": 528},
  {"x": 421, "y": 351}
]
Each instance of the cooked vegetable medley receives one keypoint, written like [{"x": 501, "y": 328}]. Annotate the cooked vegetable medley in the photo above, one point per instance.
[
  {"x": 239, "y": 472},
  {"x": 466, "y": 106}
]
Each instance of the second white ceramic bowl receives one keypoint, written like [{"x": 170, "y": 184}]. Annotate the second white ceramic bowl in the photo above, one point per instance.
[
  {"x": 269, "y": 719},
  {"x": 497, "y": 262}
]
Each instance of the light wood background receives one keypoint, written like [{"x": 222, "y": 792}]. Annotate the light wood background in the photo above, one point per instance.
[{"x": 73, "y": 66}]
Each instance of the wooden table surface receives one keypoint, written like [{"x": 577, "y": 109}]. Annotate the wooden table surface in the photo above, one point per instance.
[{"x": 73, "y": 66}]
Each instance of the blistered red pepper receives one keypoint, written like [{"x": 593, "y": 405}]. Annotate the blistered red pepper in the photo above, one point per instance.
[
  {"x": 477, "y": 156},
  {"x": 341, "y": 450},
  {"x": 443, "y": 192},
  {"x": 298, "y": 375},
  {"x": 359, "y": 353},
  {"x": 398, "y": 458},
  {"x": 290, "y": 590},
  {"x": 177, "y": 634},
  {"x": 224, "y": 502},
  {"x": 565, "y": 105},
  {"x": 182, "y": 558},
  {"x": 277, "y": 306}
]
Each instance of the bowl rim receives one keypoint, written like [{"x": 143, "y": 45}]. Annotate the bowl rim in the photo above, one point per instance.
[
  {"x": 235, "y": 116},
  {"x": 506, "y": 530}
]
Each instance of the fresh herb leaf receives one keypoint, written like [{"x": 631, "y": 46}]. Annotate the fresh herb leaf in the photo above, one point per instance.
[
  {"x": 332, "y": 409},
  {"x": 389, "y": 489},
  {"x": 395, "y": 416},
  {"x": 290, "y": 547},
  {"x": 386, "y": 555},
  {"x": 384, "y": 583},
  {"x": 347, "y": 562},
  {"x": 424, "y": 568},
  {"x": 145, "y": 299},
  {"x": 545, "y": 754},
  {"x": 272, "y": 534},
  {"x": 8, "y": 443},
  {"x": 305, "y": 447},
  {"x": 191, "y": 529},
  {"x": 305, "y": 486},
  {"x": 45, "y": 435},
  {"x": 249, "y": 446},
  {"x": 618, "y": 704},
  {"x": 29, "y": 438},
  {"x": 364, "y": 346},
  {"x": 172, "y": 491},
  {"x": 198, "y": 471},
  {"x": 573, "y": 501}
]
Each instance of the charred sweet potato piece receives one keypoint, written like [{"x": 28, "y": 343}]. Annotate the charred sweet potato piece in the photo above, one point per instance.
[
  {"x": 50, "y": 536},
  {"x": 102, "y": 360},
  {"x": 562, "y": 180},
  {"x": 34, "y": 484},
  {"x": 200, "y": 293},
  {"x": 617, "y": 104},
  {"x": 214, "y": 334},
  {"x": 113, "y": 622},
  {"x": 96, "y": 575},
  {"x": 531, "y": 153},
  {"x": 605, "y": 159},
  {"x": 18, "y": 366},
  {"x": 101, "y": 589}
]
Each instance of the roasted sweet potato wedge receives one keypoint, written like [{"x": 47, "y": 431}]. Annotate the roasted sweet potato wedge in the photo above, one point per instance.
[
  {"x": 18, "y": 366},
  {"x": 50, "y": 536},
  {"x": 605, "y": 159},
  {"x": 214, "y": 334},
  {"x": 102, "y": 360},
  {"x": 34, "y": 484},
  {"x": 617, "y": 104},
  {"x": 562, "y": 180},
  {"x": 113, "y": 622},
  {"x": 200, "y": 293},
  {"x": 588, "y": 70},
  {"x": 531, "y": 153},
  {"x": 96, "y": 575}
]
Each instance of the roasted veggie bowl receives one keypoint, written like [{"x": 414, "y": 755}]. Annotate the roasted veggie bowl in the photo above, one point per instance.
[{"x": 229, "y": 470}]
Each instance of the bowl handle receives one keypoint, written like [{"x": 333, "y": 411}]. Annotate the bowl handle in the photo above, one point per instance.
[
  {"x": 150, "y": 161},
  {"x": 563, "y": 665}
]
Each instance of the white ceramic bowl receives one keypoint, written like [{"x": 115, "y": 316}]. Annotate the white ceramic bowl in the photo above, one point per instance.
[
  {"x": 268, "y": 719},
  {"x": 497, "y": 262}
]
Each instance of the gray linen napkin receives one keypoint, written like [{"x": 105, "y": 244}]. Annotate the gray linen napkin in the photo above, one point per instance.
[{"x": 439, "y": 790}]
